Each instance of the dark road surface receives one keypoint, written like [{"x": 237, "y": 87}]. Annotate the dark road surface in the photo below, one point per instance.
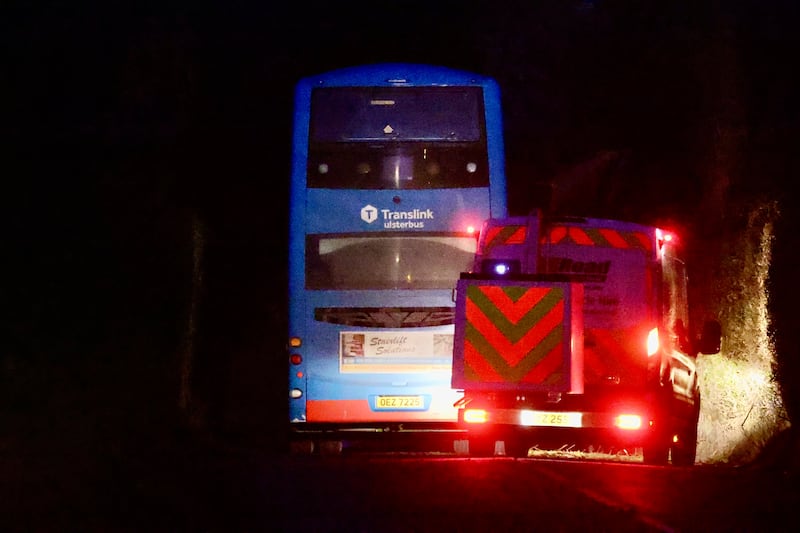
[{"x": 192, "y": 484}]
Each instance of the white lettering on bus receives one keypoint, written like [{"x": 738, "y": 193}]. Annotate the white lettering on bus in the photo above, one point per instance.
[
  {"x": 416, "y": 214},
  {"x": 393, "y": 224}
]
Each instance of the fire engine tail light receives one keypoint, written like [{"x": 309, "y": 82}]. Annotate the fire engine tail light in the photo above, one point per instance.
[
  {"x": 652, "y": 342},
  {"x": 664, "y": 238},
  {"x": 628, "y": 421},
  {"x": 476, "y": 416}
]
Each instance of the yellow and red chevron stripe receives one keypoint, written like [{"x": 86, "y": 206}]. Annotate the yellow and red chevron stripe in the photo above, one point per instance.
[
  {"x": 504, "y": 235},
  {"x": 514, "y": 334},
  {"x": 609, "y": 237}
]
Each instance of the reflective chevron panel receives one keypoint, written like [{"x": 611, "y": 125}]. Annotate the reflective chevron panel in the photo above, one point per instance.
[
  {"x": 503, "y": 235},
  {"x": 610, "y": 237},
  {"x": 514, "y": 333}
]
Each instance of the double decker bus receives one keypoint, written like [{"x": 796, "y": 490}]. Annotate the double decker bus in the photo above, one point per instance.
[{"x": 394, "y": 169}]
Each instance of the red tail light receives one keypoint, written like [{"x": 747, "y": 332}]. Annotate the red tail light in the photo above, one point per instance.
[
  {"x": 652, "y": 342},
  {"x": 476, "y": 416},
  {"x": 628, "y": 421}
]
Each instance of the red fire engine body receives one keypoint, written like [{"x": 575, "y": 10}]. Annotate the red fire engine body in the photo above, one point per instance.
[{"x": 575, "y": 330}]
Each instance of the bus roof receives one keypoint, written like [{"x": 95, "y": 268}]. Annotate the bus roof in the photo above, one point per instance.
[{"x": 396, "y": 74}]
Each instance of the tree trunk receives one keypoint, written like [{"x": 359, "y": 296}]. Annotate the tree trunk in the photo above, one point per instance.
[{"x": 192, "y": 412}]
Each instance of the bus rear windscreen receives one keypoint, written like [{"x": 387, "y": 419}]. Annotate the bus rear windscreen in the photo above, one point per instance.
[
  {"x": 346, "y": 114},
  {"x": 387, "y": 262},
  {"x": 397, "y": 138}
]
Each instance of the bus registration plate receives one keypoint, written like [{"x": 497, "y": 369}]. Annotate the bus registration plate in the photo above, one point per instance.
[
  {"x": 399, "y": 402},
  {"x": 551, "y": 419}
]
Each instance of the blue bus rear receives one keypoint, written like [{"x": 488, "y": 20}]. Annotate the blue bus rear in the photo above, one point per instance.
[{"x": 395, "y": 167}]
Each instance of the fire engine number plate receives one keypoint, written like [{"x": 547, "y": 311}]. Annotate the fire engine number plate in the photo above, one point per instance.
[
  {"x": 551, "y": 419},
  {"x": 399, "y": 402}
]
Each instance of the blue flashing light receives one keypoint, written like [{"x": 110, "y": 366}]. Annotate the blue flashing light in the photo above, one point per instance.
[{"x": 501, "y": 269}]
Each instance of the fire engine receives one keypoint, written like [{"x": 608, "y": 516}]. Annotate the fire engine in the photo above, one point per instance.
[{"x": 576, "y": 331}]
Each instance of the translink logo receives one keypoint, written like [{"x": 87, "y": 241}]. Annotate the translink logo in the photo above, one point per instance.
[
  {"x": 369, "y": 214},
  {"x": 414, "y": 219}
]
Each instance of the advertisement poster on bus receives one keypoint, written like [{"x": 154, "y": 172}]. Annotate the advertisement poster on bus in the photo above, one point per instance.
[{"x": 395, "y": 351}]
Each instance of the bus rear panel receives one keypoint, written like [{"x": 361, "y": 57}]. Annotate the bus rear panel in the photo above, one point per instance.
[{"x": 395, "y": 168}]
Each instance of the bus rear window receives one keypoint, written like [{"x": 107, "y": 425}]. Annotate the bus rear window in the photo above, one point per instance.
[
  {"x": 397, "y": 138},
  {"x": 386, "y": 262},
  {"x": 347, "y": 114}
]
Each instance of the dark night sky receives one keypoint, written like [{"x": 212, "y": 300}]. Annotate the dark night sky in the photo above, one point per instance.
[
  {"x": 578, "y": 77},
  {"x": 124, "y": 119}
]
